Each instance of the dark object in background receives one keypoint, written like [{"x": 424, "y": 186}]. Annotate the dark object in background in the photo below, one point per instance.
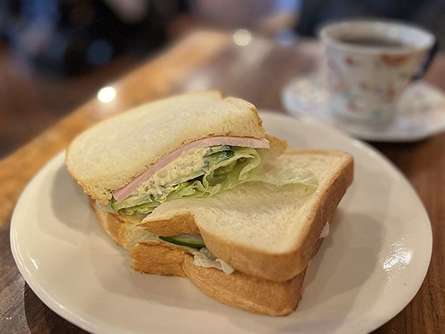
[
  {"x": 70, "y": 37},
  {"x": 429, "y": 14}
]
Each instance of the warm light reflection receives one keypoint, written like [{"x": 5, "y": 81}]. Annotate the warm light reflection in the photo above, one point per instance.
[
  {"x": 106, "y": 94},
  {"x": 34, "y": 262},
  {"x": 400, "y": 257},
  {"x": 242, "y": 37}
]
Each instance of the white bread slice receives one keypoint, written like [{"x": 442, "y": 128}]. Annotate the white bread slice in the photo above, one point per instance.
[
  {"x": 262, "y": 231},
  {"x": 110, "y": 154},
  {"x": 237, "y": 289}
]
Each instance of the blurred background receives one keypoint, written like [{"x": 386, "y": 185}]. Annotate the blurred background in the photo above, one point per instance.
[{"x": 55, "y": 54}]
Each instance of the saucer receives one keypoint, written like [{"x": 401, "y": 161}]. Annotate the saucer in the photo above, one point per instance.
[{"x": 420, "y": 111}]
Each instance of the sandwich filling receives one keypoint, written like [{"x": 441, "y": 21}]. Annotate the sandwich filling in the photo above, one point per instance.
[
  {"x": 193, "y": 244},
  {"x": 124, "y": 192},
  {"x": 197, "y": 172},
  {"x": 202, "y": 257}
]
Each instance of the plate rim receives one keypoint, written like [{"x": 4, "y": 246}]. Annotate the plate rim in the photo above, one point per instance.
[
  {"x": 97, "y": 326},
  {"x": 46, "y": 298}
]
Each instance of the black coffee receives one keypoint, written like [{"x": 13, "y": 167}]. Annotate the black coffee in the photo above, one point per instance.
[{"x": 374, "y": 42}]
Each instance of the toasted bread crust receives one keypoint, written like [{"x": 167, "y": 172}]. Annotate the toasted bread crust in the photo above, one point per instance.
[
  {"x": 247, "y": 292},
  {"x": 178, "y": 225},
  {"x": 154, "y": 258},
  {"x": 237, "y": 289},
  {"x": 111, "y": 225}
]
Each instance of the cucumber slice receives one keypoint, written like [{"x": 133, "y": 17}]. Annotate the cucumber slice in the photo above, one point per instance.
[{"x": 189, "y": 240}]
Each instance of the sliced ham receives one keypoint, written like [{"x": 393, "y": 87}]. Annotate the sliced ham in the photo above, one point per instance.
[{"x": 127, "y": 190}]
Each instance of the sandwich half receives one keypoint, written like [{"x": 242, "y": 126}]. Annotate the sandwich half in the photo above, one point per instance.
[{"x": 193, "y": 186}]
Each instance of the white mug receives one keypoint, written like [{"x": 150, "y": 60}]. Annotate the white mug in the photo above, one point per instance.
[{"x": 370, "y": 63}]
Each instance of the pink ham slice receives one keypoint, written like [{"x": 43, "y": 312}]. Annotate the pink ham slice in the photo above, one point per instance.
[{"x": 124, "y": 192}]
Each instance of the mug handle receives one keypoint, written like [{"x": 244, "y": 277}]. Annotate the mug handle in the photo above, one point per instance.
[{"x": 427, "y": 62}]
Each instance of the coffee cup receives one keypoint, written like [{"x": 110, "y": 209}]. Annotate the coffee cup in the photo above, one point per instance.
[{"x": 369, "y": 64}]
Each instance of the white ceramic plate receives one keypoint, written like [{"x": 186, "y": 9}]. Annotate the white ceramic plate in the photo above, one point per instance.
[
  {"x": 369, "y": 267},
  {"x": 420, "y": 112}
]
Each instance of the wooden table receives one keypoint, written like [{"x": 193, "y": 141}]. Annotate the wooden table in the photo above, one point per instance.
[{"x": 256, "y": 72}]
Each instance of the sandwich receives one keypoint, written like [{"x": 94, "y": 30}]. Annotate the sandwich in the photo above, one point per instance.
[{"x": 193, "y": 186}]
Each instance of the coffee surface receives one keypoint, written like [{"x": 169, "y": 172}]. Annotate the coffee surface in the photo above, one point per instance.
[{"x": 374, "y": 42}]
